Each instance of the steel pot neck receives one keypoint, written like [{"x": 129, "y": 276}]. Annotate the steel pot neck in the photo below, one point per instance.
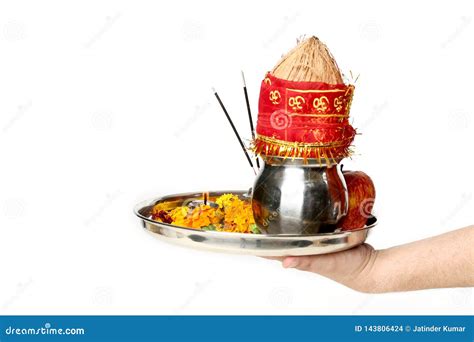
[{"x": 300, "y": 162}]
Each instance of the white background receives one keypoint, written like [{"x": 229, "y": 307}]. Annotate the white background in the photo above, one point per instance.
[{"x": 107, "y": 103}]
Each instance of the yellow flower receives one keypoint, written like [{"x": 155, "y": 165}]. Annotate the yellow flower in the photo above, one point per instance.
[
  {"x": 232, "y": 215},
  {"x": 179, "y": 216},
  {"x": 158, "y": 207},
  {"x": 226, "y": 199}
]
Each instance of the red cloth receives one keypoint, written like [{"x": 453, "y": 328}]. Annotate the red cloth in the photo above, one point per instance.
[{"x": 311, "y": 115}]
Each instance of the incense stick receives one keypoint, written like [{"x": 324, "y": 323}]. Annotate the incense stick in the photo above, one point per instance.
[
  {"x": 250, "y": 115},
  {"x": 235, "y": 130}
]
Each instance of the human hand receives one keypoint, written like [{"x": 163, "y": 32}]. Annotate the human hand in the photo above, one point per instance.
[
  {"x": 353, "y": 268},
  {"x": 442, "y": 261}
]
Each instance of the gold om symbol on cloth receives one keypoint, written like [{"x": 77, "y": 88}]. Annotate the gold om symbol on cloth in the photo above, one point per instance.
[
  {"x": 275, "y": 96},
  {"x": 338, "y": 103},
  {"x": 321, "y": 104},
  {"x": 296, "y": 102}
]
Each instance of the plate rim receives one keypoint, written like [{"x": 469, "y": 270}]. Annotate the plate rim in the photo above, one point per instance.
[{"x": 148, "y": 203}]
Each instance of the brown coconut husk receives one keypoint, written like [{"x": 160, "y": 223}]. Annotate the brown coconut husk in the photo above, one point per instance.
[{"x": 309, "y": 61}]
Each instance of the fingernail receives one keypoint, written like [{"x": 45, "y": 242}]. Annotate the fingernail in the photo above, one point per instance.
[{"x": 291, "y": 263}]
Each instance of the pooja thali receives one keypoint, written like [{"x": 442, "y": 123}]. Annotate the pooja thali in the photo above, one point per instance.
[
  {"x": 302, "y": 202},
  {"x": 245, "y": 243}
]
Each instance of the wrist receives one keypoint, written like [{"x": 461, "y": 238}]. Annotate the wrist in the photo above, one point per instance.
[
  {"x": 379, "y": 280},
  {"x": 367, "y": 276}
]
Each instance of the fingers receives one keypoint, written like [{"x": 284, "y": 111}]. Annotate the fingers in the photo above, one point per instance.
[
  {"x": 291, "y": 262},
  {"x": 313, "y": 263},
  {"x": 305, "y": 263},
  {"x": 299, "y": 262},
  {"x": 273, "y": 258}
]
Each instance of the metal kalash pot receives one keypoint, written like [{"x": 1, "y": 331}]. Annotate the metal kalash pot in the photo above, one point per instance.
[
  {"x": 303, "y": 132},
  {"x": 297, "y": 197}
]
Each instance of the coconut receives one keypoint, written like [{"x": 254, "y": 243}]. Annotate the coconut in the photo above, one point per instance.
[{"x": 309, "y": 61}]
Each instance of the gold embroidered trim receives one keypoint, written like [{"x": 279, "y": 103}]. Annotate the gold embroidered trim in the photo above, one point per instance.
[
  {"x": 270, "y": 147},
  {"x": 266, "y": 139}
]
